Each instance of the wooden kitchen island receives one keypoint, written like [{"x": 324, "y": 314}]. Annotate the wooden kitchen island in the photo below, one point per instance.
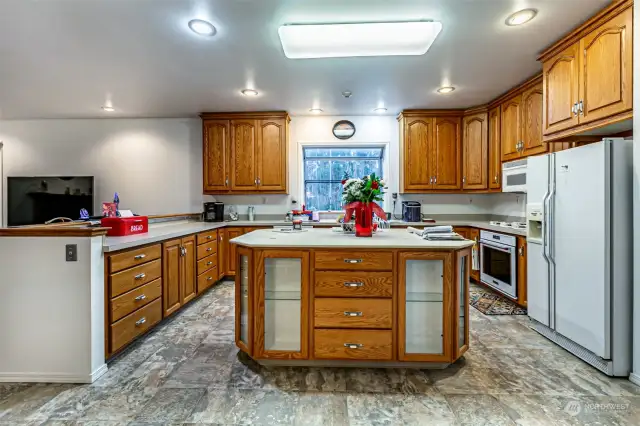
[{"x": 328, "y": 299}]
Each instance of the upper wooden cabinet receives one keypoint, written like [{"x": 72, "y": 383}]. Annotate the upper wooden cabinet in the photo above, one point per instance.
[
  {"x": 511, "y": 128},
  {"x": 418, "y": 140},
  {"x": 532, "y": 122},
  {"x": 588, "y": 75},
  {"x": 495, "y": 153},
  {"x": 245, "y": 153},
  {"x": 445, "y": 153},
  {"x": 475, "y": 151}
]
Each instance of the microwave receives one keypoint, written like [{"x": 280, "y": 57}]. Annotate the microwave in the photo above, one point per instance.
[{"x": 514, "y": 176}]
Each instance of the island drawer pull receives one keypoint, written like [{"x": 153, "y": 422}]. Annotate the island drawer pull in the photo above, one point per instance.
[
  {"x": 353, "y": 345},
  {"x": 209, "y": 263},
  {"x": 209, "y": 249},
  {"x": 141, "y": 321},
  {"x": 209, "y": 237},
  {"x": 140, "y": 276},
  {"x": 353, "y": 261},
  {"x": 141, "y": 297},
  {"x": 353, "y": 284},
  {"x": 209, "y": 278},
  {"x": 140, "y": 256},
  {"x": 352, "y": 314}
]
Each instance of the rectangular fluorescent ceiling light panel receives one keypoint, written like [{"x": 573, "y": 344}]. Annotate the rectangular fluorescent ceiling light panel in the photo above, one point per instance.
[{"x": 301, "y": 41}]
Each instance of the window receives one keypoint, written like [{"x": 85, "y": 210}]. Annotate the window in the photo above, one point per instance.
[{"x": 324, "y": 169}]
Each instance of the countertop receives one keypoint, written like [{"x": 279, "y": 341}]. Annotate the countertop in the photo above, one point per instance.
[
  {"x": 326, "y": 238},
  {"x": 176, "y": 229}
]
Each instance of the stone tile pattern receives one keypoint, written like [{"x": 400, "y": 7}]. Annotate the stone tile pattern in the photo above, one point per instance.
[{"x": 188, "y": 371}]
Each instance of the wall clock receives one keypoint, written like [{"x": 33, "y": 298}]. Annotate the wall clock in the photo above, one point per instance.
[{"x": 344, "y": 129}]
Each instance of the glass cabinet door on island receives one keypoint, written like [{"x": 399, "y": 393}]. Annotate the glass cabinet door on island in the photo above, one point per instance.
[
  {"x": 244, "y": 296},
  {"x": 463, "y": 267},
  {"x": 281, "y": 328},
  {"x": 424, "y": 329}
]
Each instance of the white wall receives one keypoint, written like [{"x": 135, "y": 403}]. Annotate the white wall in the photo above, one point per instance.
[{"x": 154, "y": 164}]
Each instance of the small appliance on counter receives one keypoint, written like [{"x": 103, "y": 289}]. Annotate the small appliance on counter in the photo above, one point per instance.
[
  {"x": 411, "y": 211},
  {"x": 252, "y": 213},
  {"x": 213, "y": 212}
]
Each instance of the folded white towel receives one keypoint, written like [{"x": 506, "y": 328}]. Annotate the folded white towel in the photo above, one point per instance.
[{"x": 439, "y": 228}]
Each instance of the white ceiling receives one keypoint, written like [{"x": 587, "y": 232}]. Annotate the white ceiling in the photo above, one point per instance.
[{"x": 66, "y": 58}]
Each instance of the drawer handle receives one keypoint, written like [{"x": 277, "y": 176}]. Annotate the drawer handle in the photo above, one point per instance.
[
  {"x": 352, "y": 314},
  {"x": 140, "y": 256},
  {"x": 140, "y": 276},
  {"x": 353, "y": 284},
  {"x": 209, "y": 249},
  {"x": 141, "y": 321},
  {"x": 209, "y": 237},
  {"x": 209, "y": 278},
  {"x": 141, "y": 297},
  {"x": 353, "y": 345},
  {"x": 209, "y": 263},
  {"x": 353, "y": 261}
]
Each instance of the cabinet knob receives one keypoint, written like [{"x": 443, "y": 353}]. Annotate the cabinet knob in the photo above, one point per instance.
[
  {"x": 209, "y": 249},
  {"x": 352, "y": 313},
  {"x": 495, "y": 179},
  {"x": 255, "y": 181},
  {"x": 209, "y": 278},
  {"x": 209, "y": 237},
  {"x": 581, "y": 107},
  {"x": 353, "y": 345},
  {"x": 140, "y": 256},
  {"x": 521, "y": 251},
  {"x": 259, "y": 180},
  {"x": 141, "y": 297},
  {"x": 353, "y": 284},
  {"x": 464, "y": 179},
  {"x": 435, "y": 179},
  {"x": 141, "y": 321},
  {"x": 140, "y": 276},
  {"x": 209, "y": 263},
  {"x": 226, "y": 182}
]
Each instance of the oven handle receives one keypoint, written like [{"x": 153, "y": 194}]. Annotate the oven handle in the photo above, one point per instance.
[{"x": 504, "y": 248}]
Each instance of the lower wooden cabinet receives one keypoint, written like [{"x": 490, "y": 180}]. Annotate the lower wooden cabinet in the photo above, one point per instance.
[
  {"x": 521, "y": 246},
  {"x": 353, "y": 344},
  {"x": 231, "y": 233},
  {"x": 135, "y": 324},
  {"x": 474, "y": 235},
  {"x": 179, "y": 273},
  {"x": 462, "y": 230}
]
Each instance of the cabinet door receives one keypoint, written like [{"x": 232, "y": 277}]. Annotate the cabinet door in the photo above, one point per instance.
[
  {"x": 475, "y": 150},
  {"x": 424, "y": 297},
  {"x": 223, "y": 265},
  {"x": 271, "y": 158},
  {"x": 462, "y": 230},
  {"x": 188, "y": 266},
  {"x": 532, "y": 122},
  {"x": 445, "y": 154},
  {"x": 461, "y": 283},
  {"x": 511, "y": 134},
  {"x": 521, "y": 243},
  {"x": 231, "y": 249},
  {"x": 215, "y": 155},
  {"x": 474, "y": 235},
  {"x": 495, "y": 152},
  {"x": 606, "y": 64},
  {"x": 243, "y": 155},
  {"x": 244, "y": 300},
  {"x": 171, "y": 279},
  {"x": 560, "y": 76},
  {"x": 418, "y": 137},
  {"x": 282, "y": 300}
]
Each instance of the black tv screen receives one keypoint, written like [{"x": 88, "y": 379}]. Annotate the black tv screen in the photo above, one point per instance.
[{"x": 38, "y": 199}]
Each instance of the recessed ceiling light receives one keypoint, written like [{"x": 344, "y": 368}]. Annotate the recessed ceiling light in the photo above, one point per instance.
[
  {"x": 358, "y": 39},
  {"x": 521, "y": 17},
  {"x": 315, "y": 110},
  {"x": 201, "y": 27},
  {"x": 380, "y": 110},
  {"x": 347, "y": 94},
  {"x": 447, "y": 89},
  {"x": 108, "y": 108},
  {"x": 249, "y": 92}
]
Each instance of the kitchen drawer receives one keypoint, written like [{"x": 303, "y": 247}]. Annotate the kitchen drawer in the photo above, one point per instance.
[
  {"x": 124, "y": 304},
  {"x": 206, "y": 237},
  {"x": 207, "y": 263},
  {"x": 353, "y": 344},
  {"x": 353, "y": 313},
  {"x": 353, "y": 284},
  {"x": 134, "y": 324},
  {"x": 207, "y": 249},
  {"x": 129, "y": 279},
  {"x": 119, "y": 262},
  {"x": 207, "y": 279},
  {"x": 354, "y": 260}
]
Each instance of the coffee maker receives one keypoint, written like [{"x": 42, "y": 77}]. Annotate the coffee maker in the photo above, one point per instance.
[{"x": 213, "y": 212}]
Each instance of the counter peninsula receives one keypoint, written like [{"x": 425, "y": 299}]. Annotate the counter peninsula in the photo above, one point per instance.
[{"x": 318, "y": 297}]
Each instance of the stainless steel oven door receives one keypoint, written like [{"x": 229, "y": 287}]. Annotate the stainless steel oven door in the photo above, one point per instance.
[{"x": 498, "y": 267}]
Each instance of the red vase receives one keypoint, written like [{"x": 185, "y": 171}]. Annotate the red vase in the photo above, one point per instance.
[{"x": 364, "y": 221}]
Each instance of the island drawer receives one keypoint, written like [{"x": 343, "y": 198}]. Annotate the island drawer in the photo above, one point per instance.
[
  {"x": 121, "y": 261},
  {"x": 207, "y": 249},
  {"x": 353, "y": 313},
  {"x": 354, "y": 260},
  {"x": 207, "y": 263},
  {"x": 207, "y": 279},
  {"x": 353, "y": 344},
  {"x": 129, "y": 279},
  {"x": 123, "y": 305},
  {"x": 206, "y": 237},
  {"x": 134, "y": 324},
  {"x": 353, "y": 284}
]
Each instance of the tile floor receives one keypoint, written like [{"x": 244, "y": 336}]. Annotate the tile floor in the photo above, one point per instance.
[{"x": 187, "y": 372}]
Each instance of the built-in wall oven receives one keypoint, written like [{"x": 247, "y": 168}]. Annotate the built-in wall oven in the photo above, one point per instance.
[{"x": 498, "y": 262}]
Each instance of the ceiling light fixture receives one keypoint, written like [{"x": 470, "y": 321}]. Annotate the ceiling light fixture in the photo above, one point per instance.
[
  {"x": 447, "y": 89},
  {"x": 108, "y": 108},
  {"x": 201, "y": 27},
  {"x": 521, "y": 17},
  {"x": 249, "y": 92},
  {"x": 315, "y": 110},
  {"x": 347, "y": 94},
  {"x": 380, "y": 110},
  {"x": 358, "y": 39}
]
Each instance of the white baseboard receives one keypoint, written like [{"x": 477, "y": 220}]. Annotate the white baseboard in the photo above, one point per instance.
[
  {"x": 53, "y": 377},
  {"x": 635, "y": 378}
]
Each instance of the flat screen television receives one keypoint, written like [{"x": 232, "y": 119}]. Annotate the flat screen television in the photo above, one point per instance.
[{"x": 38, "y": 199}]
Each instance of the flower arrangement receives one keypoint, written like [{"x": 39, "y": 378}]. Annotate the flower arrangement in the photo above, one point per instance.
[{"x": 359, "y": 196}]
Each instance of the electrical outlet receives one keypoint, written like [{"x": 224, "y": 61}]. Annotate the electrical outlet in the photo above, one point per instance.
[
  {"x": 71, "y": 251},
  {"x": 394, "y": 195}
]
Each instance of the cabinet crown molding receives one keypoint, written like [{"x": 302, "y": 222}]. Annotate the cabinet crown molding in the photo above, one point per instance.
[{"x": 246, "y": 115}]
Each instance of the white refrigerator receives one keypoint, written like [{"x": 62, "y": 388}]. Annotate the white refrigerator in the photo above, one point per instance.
[{"x": 579, "y": 251}]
